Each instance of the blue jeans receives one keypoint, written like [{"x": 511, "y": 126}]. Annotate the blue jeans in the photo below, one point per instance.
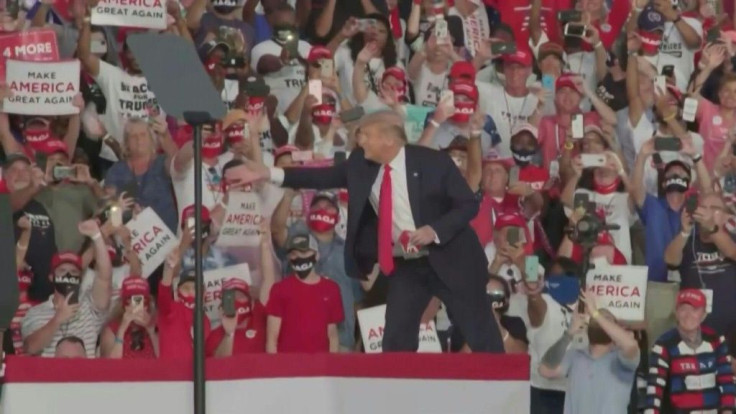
[{"x": 547, "y": 401}]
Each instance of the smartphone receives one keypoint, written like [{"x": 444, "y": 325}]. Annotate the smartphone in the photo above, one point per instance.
[
  {"x": 593, "y": 160},
  {"x": 513, "y": 175},
  {"x": 548, "y": 82},
  {"x": 351, "y": 115},
  {"x": 441, "y": 32},
  {"x": 503, "y": 48},
  {"x": 567, "y": 16},
  {"x": 228, "y": 303},
  {"x": 190, "y": 223},
  {"x": 581, "y": 201},
  {"x": 657, "y": 159},
  {"x": 116, "y": 216},
  {"x": 531, "y": 268},
  {"x": 302, "y": 156},
  {"x": 668, "y": 71},
  {"x": 137, "y": 300},
  {"x": 660, "y": 83},
  {"x": 12, "y": 7},
  {"x": 366, "y": 24},
  {"x": 327, "y": 68},
  {"x": 713, "y": 35},
  {"x": 513, "y": 236},
  {"x": 667, "y": 144},
  {"x": 61, "y": 172},
  {"x": 449, "y": 96},
  {"x": 691, "y": 203},
  {"x": 292, "y": 46},
  {"x": 131, "y": 190},
  {"x": 41, "y": 159},
  {"x": 315, "y": 89},
  {"x": 689, "y": 109},
  {"x": 575, "y": 30},
  {"x": 577, "y": 126},
  {"x": 729, "y": 183},
  {"x": 340, "y": 157},
  {"x": 74, "y": 299}
]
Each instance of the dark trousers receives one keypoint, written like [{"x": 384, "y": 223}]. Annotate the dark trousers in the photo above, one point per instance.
[
  {"x": 547, "y": 401},
  {"x": 410, "y": 288}
]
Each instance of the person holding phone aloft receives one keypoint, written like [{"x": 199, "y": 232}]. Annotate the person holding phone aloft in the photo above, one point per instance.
[{"x": 131, "y": 333}]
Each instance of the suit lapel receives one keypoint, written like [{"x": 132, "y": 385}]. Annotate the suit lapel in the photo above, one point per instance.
[{"x": 413, "y": 184}]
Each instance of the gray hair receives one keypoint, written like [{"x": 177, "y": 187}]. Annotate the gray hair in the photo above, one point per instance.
[{"x": 138, "y": 121}]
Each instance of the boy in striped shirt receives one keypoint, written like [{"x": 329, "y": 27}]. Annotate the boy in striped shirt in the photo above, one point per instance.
[{"x": 689, "y": 367}]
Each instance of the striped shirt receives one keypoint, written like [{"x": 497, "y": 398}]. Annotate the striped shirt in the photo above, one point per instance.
[
  {"x": 685, "y": 380},
  {"x": 86, "y": 324}
]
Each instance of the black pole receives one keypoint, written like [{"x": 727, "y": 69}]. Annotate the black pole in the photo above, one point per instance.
[
  {"x": 196, "y": 120},
  {"x": 587, "y": 250}
]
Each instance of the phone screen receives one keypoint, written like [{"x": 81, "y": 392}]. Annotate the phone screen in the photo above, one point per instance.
[
  {"x": 512, "y": 235},
  {"x": 575, "y": 30},
  {"x": 228, "y": 303},
  {"x": 531, "y": 268},
  {"x": 74, "y": 299},
  {"x": 315, "y": 89},
  {"x": 691, "y": 203},
  {"x": 577, "y": 127}
]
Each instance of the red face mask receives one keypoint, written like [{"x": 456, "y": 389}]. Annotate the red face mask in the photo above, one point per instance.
[
  {"x": 212, "y": 146},
  {"x": 36, "y": 138},
  {"x": 343, "y": 195},
  {"x": 255, "y": 104},
  {"x": 243, "y": 309},
  {"x": 650, "y": 42},
  {"x": 188, "y": 301},
  {"x": 323, "y": 114},
  {"x": 25, "y": 277},
  {"x": 235, "y": 134},
  {"x": 463, "y": 112},
  {"x": 322, "y": 220}
]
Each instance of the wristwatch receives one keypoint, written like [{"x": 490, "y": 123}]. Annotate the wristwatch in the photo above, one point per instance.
[{"x": 677, "y": 19}]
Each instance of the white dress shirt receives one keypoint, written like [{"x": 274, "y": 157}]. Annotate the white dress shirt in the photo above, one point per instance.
[{"x": 401, "y": 216}]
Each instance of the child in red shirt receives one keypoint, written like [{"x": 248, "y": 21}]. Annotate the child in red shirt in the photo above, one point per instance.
[{"x": 305, "y": 308}]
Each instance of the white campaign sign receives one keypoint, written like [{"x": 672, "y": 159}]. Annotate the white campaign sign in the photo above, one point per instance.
[
  {"x": 620, "y": 289},
  {"x": 152, "y": 240},
  {"x": 213, "y": 286},
  {"x": 372, "y": 321},
  {"x": 150, "y": 14},
  {"x": 242, "y": 221},
  {"x": 42, "y": 88}
]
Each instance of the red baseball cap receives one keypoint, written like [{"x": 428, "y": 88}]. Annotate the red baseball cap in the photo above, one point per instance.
[
  {"x": 317, "y": 53},
  {"x": 506, "y": 163},
  {"x": 462, "y": 70},
  {"x": 134, "y": 285},
  {"x": 189, "y": 212},
  {"x": 54, "y": 146},
  {"x": 525, "y": 127},
  {"x": 507, "y": 220},
  {"x": 693, "y": 297},
  {"x": 465, "y": 88},
  {"x": 66, "y": 257},
  {"x": 396, "y": 72},
  {"x": 521, "y": 57},
  {"x": 566, "y": 80},
  {"x": 236, "y": 284}
]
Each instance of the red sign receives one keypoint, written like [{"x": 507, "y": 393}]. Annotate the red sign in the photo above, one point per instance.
[{"x": 34, "y": 46}]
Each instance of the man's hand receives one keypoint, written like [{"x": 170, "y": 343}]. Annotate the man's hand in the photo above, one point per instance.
[
  {"x": 64, "y": 311},
  {"x": 590, "y": 304},
  {"x": 89, "y": 228},
  {"x": 423, "y": 236},
  {"x": 592, "y": 36},
  {"x": 445, "y": 109},
  {"x": 665, "y": 8},
  {"x": 81, "y": 175},
  {"x": 577, "y": 325},
  {"x": 704, "y": 217}
]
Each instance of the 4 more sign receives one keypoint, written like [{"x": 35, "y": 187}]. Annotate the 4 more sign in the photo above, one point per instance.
[
  {"x": 620, "y": 289},
  {"x": 372, "y": 322},
  {"x": 31, "y": 45}
]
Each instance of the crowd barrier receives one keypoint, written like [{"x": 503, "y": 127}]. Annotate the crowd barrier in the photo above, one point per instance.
[{"x": 304, "y": 384}]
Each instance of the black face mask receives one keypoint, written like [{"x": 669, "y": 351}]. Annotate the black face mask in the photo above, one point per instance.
[
  {"x": 282, "y": 32},
  {"x": 224, "y": 9},
  {"x": 522, "y": 157},
  {"x": 303, "y": 266},
  {"x": 613, "y": 93},
  {"x": 66, "y": 284},
  {"x": 676, "y": 184},
  {"x": 499, "y": 301}
]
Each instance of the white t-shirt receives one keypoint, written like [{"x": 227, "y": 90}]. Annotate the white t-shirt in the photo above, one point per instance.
[
  {"x": 617, "y": 210},
  {"x": 506, "y": 111},
  {"x": 184, "y": 186},
  {"x": 447, "y": 131},
  {"x": 344, "y": 66},
  {"x": 126, "y": 95},
  {"x": 673, "y": 51},
  {"x": 428, "y": 86},
  {"x": 583, "y": 64},
  {"x": 230, "y": 92},
  {"x": 476, "y": 26},
  {"x": 287, "y": 83}
]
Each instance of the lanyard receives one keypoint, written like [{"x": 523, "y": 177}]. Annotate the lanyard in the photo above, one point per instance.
[{"x": 508, "y": 110}]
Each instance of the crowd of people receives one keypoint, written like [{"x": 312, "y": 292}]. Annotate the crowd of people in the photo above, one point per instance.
[{"x": 451, "y": 127}]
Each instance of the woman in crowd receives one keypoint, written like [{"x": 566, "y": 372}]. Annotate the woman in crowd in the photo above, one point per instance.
[{"x": 131, "y": 332}]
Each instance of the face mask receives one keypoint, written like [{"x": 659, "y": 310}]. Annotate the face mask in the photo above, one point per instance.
[
  {"x": 676, "y": 184},
  {"x": 243, "y": 309},
  {"x": 66, "y": 283},
  {"x": 25, "y": 277},
  {"x": 522, "y": 157},
  {"x": 235, "y": 134},
  {"x": 499, "y": 301},
  {"x": 321, "y": 220},
  {"x": 255, "y": 104},
  {"x": 212, "y": 146},
  {"x": 303, "y": 266},
  {"x": 596, "y": 334},
  {"x": 650, "y": 42},
  {"x": 323, "y": 114},
  {"x": 563, "y": 289},
  {"x": 463, "y": 112},
  {"x": 223, "y": 9},
  {"x": 36, "y": 138},
  {"x": 188, "y": 301}
]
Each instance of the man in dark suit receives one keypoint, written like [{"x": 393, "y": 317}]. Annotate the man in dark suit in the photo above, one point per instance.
[{"x": 394, "y": 188}]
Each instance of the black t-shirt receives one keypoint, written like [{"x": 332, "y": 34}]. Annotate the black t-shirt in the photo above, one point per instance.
[
  {"x": 515, "y": 327},
  {"x": 344, "y": 10},
  {"x": 613, "y": 93},
  {"x": 704, "y": 267},
  {"x": 41, "y": 248}
]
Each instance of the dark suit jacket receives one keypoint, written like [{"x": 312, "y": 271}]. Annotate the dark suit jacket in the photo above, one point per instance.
[{"x": 439, "y": 197}]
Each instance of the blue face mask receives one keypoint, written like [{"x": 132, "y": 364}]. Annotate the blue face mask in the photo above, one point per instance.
[{"x": 563, "y": 289}]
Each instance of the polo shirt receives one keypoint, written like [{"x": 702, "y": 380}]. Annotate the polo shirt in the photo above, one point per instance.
[{"x": 657, "y": 215}]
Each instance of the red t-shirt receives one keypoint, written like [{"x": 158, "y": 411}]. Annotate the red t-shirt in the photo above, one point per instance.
[
  {"x": 176, "y": 326},
  {"x": 305, "y": 311},
  {"x": 248, "y": 340},
  {"x": 515, "y": 13},
  {"x": 610, "y": 28},
  {"x": 537, "y": 177},
  {"x": 146, "y": 350}
]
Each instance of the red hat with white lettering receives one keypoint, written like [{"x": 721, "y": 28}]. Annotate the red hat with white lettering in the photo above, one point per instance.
[
  {"x": 54, "y": 146},
  {"x": 692, "y": 297},
  {"x": 66, "y": 257},
  {"x": 465, "y": 88},
  {"x": 134, "y": 285},
  {"x": 236, "y": 284},
  {"x": 566, "y": 80},
  {"x": 462, "y": 69},
  {"x": 188, "y": 213}
]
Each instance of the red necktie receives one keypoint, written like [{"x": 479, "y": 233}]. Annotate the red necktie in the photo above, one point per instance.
[{"x": 385, "y": 224}]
